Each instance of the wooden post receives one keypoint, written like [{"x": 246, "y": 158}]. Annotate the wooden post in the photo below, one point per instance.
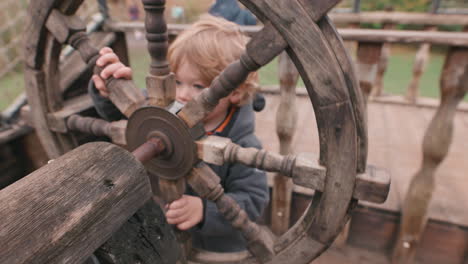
[
  {"x": 286, "y": 119},
  {"x": 436, "y": 143},
  {"x": 420, "y": 62},
  {"x": 64, "y": 211},
  {"x": 368, "y": 57}
]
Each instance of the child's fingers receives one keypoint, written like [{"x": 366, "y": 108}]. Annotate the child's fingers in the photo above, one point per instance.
[
  {"x": 124, "y": 72},
  {"x": 175, "y": 213},
  {"x": 177, "y": 220},
  {"x": 100, "y": 85},
  {"x": 105, "y": 50},
  {"x": 110, "y": 69},
  {"x": 106, "y": 59},
  {"x": 186, "y": 225},
  {"x": 177, "y": 204}
]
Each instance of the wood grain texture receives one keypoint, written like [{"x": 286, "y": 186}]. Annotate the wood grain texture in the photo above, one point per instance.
[
  {"x": 436, "y": 143},
  {"x": 64, "y": 211},
  {"x": 355, "y": 94}
]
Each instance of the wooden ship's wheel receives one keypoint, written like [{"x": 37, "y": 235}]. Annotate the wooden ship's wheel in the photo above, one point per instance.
[{"x": 171, "y": 143}]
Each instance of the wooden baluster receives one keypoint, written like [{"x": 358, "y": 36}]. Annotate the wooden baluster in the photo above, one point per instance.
[
  {"x": 160, "y": 82},
  {"x": 207, "y": 184},
  {"x": 286, "y": 119},
  {"x": 382, "y": 66},
  {"x": 70, "y": 29},
  {"x": 420, "y": 62},
  {"x": 368, "y": 57},
  {"x": 436, "y": 143}
]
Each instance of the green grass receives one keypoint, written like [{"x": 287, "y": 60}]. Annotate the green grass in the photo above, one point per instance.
[
  {"x": 399, "y": 72},
  {"x": 11, "y": 86},
  {"x": 396, "y": 78}
]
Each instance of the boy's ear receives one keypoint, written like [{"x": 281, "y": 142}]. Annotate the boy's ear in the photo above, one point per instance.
[{"x": 235, "y": 97}]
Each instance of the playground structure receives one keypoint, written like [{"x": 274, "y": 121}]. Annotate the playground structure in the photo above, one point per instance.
[{"x": 64, "y": 119}]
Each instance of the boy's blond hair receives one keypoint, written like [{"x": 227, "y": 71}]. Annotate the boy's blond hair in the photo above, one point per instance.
[{"x": 210, "y": 45}]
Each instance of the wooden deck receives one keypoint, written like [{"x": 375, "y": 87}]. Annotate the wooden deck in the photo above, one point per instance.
[{"x": 396, "y": 131}]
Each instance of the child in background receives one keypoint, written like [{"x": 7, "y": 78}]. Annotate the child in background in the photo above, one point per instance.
[{"x": 197, "y": 56}]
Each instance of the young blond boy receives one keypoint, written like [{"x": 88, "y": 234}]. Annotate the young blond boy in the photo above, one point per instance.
[{"x": 197, "y": 56}]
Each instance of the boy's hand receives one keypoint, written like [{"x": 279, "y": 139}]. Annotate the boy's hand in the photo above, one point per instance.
[
  {"x": 185, "y": 212},
  {"x": 113, "y": 67}
]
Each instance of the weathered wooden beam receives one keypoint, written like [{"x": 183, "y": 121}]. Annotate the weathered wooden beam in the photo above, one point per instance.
[
  {"x": 371, "y": 186},
  {"x": 436, "y": 143},
  {"x": 64, "y": 211}
]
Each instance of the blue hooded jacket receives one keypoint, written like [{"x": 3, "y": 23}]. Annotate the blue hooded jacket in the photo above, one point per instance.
[{"x": 230, "y": 10}]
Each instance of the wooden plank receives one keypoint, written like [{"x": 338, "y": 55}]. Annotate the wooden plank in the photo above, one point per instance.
[{"x": 67, "y": 209}]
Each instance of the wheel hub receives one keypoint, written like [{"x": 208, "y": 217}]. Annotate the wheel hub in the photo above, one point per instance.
[{"x": 180, "y": 150}]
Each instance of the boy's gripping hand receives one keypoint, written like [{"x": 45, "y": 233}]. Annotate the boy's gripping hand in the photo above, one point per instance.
[
  {"x": 113, "y": 67},
  {"x": 185, "y": 212}
]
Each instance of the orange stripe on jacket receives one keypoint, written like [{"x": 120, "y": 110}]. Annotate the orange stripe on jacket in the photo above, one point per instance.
[{"x": 226, "y": 121}]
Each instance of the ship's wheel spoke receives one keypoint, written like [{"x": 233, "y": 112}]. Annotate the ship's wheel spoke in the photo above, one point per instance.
[
  {"x": 371, "y": 186},
  {"x": 71, "y": 30}
]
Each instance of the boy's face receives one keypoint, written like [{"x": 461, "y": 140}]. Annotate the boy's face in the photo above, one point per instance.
[{"x": 189, "y": 85}]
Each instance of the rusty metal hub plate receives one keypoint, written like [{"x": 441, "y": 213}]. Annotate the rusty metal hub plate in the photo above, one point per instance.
[{"x": 180, "y": 154}]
